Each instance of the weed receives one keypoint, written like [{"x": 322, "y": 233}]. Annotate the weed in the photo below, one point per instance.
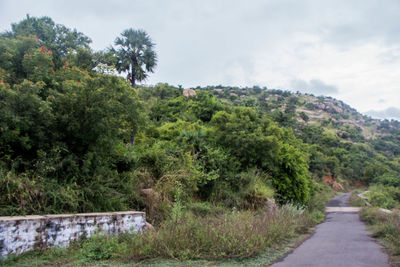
[
  {"x": 101, "y": 247},
  {"x": 385, "y": 227},
  {"x": 186, "y": 235},
  {"x": 356, "y": 201}
]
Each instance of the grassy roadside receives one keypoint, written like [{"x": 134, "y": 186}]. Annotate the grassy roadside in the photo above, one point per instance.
[
  {"x": 355, "y": 200},
  {"x": 234, "y": 236},
  {"x": 386, "y": 228},
  {"x": 250, "y": 238},
  {"x": 56, "y": 257}
]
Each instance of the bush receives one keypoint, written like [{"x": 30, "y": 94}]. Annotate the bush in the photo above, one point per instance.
[
  {"x": 389, "y": 179},
  {"x": 61, "y": 143},
  {"x": 387, "y": 197},
  {"x": 259, "y": 143},
  {"x": 322, "y": 194},
  {"x": 356, "y": 201},
  {"x": 100, "y": 247}
]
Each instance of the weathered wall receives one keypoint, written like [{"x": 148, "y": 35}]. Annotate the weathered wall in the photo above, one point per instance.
[{"x": 23, "y": 233}]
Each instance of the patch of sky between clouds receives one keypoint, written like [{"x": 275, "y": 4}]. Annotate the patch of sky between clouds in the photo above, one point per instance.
[
  {"x": 389, "y": 113},
  {"x": 314, "y": 86}
]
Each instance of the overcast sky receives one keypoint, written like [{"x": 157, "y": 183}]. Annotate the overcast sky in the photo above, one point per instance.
[{"x": 346, "y": 49}]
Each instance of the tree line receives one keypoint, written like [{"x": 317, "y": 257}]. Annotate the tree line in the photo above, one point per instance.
[{"x": 75, "y": 137}]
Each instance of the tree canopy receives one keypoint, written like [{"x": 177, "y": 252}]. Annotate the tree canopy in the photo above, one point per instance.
[
  {"x": 55, "y": 37},
  {"x": 66, "y": 125},
  {"x": 135, "y": 54}
]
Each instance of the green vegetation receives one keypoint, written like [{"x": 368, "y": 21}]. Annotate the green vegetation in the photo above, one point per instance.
[
  {"x": 341, "y": 143},
  {"x": 135, "y": 55},
  {"x": 186, "y": 236},
  {"x": 230, "y": 235},
  {"x": 385, "y": 227},
  {"x": 76, "y": 138},
  {"x": 355, "y": 200},
  {"x": 60, "y": 128},
  {"x": 387, "y": 197}
]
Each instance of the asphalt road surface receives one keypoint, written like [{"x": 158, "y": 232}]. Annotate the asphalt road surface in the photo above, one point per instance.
[{"x": 341, "y": 240}]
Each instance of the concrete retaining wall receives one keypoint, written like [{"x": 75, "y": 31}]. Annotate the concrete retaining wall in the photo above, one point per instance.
[{"x": 19, "y": 234}]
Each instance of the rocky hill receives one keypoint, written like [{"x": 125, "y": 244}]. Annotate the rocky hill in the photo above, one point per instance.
[{"x": 299, "y": 110}]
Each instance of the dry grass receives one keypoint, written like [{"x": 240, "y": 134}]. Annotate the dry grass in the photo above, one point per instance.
[
  {"x": 356, "y": 201},
  {"x": 385, "y": 227},
  {"x": 233, "y": 235}
]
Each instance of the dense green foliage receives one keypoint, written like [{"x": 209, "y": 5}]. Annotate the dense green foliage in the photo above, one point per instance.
[
  {"x": 57, "y": 38},
  {"x": 76, "y": 138},
  {"x": 387, "y": 197},
  {"x": 60, "y": 125},
  {"x": 341, "y": 143}
]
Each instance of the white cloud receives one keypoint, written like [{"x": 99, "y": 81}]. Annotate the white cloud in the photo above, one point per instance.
[
  {"x": 315, "y": 86},
  {"x": 389, "y": 113}
]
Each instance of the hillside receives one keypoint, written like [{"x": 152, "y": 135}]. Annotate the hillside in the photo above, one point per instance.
[
  {"x": 344, "y": 143},
  {"x": 323, "y": 111},
  {"x": 77, "y": 138},
  {"x": 302, "y": 110},
  {"x": 66, "y": 120}
]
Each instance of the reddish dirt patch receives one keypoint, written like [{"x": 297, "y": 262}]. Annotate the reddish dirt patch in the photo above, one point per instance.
[
  {"x": 358, "y": 184},
  {"x": 330, "y": 180}
]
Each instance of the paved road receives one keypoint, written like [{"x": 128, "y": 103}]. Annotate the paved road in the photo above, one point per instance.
[{"x": 341, "y": 240}]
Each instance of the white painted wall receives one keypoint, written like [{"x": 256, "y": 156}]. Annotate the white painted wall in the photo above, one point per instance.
[{"x": 19, "y": 234}]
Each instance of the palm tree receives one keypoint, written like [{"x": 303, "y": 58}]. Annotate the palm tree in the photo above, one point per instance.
[{"x": 135, "y": 54}]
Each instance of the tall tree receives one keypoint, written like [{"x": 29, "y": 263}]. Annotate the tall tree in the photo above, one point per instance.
[
  {"x": 135, "y": 54},
  {"x": 56, "y": 37}
]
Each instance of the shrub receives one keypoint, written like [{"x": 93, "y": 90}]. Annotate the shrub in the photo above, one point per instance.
[
  {"x": 322, "y": 194},
  {"x": 101, "y": 247},
  {"x": 260, "y": 143},
  {"x": 387, "y": 197},
  {"x": 390, "y": 179},
  {"x": 356, "y": 201}
]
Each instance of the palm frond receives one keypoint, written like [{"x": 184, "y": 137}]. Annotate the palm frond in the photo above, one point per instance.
[{"x": 135, "y": 53}]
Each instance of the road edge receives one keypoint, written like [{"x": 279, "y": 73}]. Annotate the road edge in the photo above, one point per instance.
[{"x": 292, "y": 248}]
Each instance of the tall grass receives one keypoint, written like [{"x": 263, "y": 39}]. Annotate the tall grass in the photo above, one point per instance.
[
  {"x": 190, "y": 234},
  {"x": 238, "y": 234},
  {"x": 234, "y": 235},
  {"x": 356, "y": 201},
  {"x": 385, "y": 227}
]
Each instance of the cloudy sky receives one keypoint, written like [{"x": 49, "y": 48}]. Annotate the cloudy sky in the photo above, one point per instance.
[{"x": 346, "y": 49}]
